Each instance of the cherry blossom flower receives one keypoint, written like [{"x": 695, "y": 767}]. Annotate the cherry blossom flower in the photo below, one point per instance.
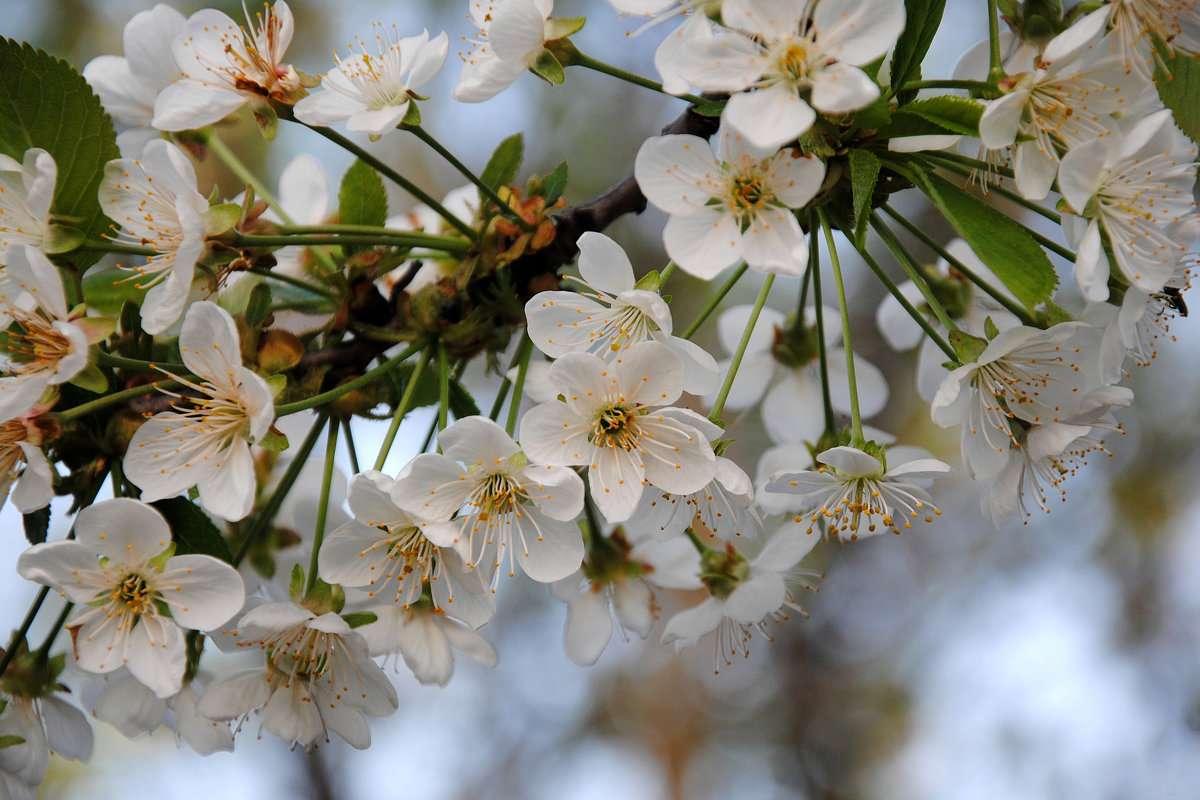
[
  {"x": 1129, "y": 188},
  {"x": 43, "y": 724},
  {"x": 744, "y": 596},
  {"x": 45, "y": 344},
  {"x": 119, "y": 621},
  {"x": 723, "y": 508},
  {"x": 206, "y": 445},
  {"x": 613, "y": 316},
  {"x": 23, "y": 466},
  {"x": 512, "y": 510},
  {"x": 855, "y": 493},
  {"x": 372, "y": 94},
  {"x": 779, "y": 52},
  {"x": 318, "y": 678},
  {"x": 26, "y": 191},
  {"x": 697, "y": 26},
  {"x": 390, "y": 555},
  {"x": 129, "y": 85},
  {"x": 614, "y": 421},
  {"x": 425, "y": 639},
  {"x": 155, "y": 202},
  {"x": 511, "y": 36},
  {"x": 1133, "y": 22},
  {"x": 225, "y": 66},
  {"x": 732, "y": 206},
  {"x": 125, "y": 703}
]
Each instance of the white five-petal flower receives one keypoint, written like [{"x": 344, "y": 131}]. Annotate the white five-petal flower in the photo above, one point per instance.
[
  {"x": 26, "y": 191},
  {"x": 120, "y": 571},
  {"x": 511, "y": 35},
  {"x": 206, "y": 445}
]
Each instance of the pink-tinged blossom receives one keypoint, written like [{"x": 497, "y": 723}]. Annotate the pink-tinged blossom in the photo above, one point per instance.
[
  {"x": 854, "y": 493},
  {"x": 121, "y": 572},
  {"x": 785, "y": 59},
  {"x": 1129, "y": 187},
  {"x": 616, "y": 419},
  {"x": 155, "y": 202},
  {"x": 613, "y": 315},
  {"x": 128, "y": 85},
  {"x": 205, "y": 441},
  {"x": 732, "y": 206},
  {"x": 371, "y": 94},
  {"x": 26, "y": 191},
  {"x": 224, "y": 66},
  {"x": 510, "y": 508},
  {"x": 318, "y": 678}
]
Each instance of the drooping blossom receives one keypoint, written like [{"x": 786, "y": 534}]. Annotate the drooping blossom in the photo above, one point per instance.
[
  {"x": 511, "y": 35},
  {"x": 205, "y": 441},
  {"x": 44, "y": 724},
  {"x": 155, "y": 202},
  {"x": 371, "y": 94},
  {"x": 612, "y": 316},
  {"x": 732, "y": 206},
  {"x": 512, "y": 509},
  {"x": 121, "y": 572},
  {"x": 125, "y": 703},
  {"x": 24, "y": 469},
  {"x": 26, "y": 191},
  {"x": 224, "y": 66}
]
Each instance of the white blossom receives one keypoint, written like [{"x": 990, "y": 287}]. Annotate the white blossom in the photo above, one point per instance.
[
  {"x": 426, "y": 640},
  {"x": 511, "y": 35},
  {"x": 44, "y": 724},
  {"x": 26, "y": 191}
]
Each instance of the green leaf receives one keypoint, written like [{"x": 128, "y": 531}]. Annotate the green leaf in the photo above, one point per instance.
[
  {"x": 45, "y": 103},
  {"x": 955, "y": 114},
  {"x": 426, "y": 393},
  {"x": 362, "y": 199},
  {"x": 922, "y": 19},
  {"x": 555, "y": 182},
  {"x": 874, "y": 116},
  {"x": 11, "y": 740},
  {"x": 501, "y": 169},
  {"x": 864, "y": 175},
  {"x": 296, "y": 583},
  {"x": 192, "y": 530},
  {"x": 1004, "y": 245},
  {"x": 62, "y": 239},
  {"x": 108, "y": 291},
  {"x": 37, "y": 524},
  {"x": 259, "y": 305},
  {"x": 462, "y": 404},
  {"x": 1177, "y": 76},
  {"x": 359, "y": 618}
]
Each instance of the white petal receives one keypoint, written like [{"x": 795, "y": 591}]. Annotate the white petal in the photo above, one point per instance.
[
  {"x": 588, "y": 629},
  {"x": 203, "y": 592}
]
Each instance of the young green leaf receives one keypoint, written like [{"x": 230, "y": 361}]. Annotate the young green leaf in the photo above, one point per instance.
[
  {"x": 362, "y": 199},
  {"x": 1177, "y": 76},
  {"x": 555, "y": 182},
  {"x": 864, "y": 174},
  {"x": 922, "y": 18},
  {"x": 501, "y": 169},
  {"x": 955, "y": 114}
]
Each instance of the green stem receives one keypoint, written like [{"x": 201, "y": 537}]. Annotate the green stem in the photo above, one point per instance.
[
  {"x": 725, "y": 289},
  {"x": 665, "y": 273},
  {"x": 288, "y": 279},
  {"x": 506, "y": 384},
  {"x": 719, "y": 405},
  {"x": 488, "y": 191},
  {"x": 19, "y": 634},
  {"x": 121, "y": 362},
  {"x": 967, "y": 161},
  {"x": 443, "y": 417},
  {"x": 267, "y": 515},
  {"x": 855, "y": 416},
  {"x": 524, "y": 351},
  {"x": 285, "y": 112},
  {"x": 1003, "y": 192},
  {"x": 351, "y": 450},
  {"x": 973, "y": 86},
  {"x": 995, "y": 67},
  {"x": 417, "y": 238},
  {"x": 700, "y": 546},
  {"x": 322, "y": 507},
  {"x": 814, "y": 265},
  {"x": 43, "y": 652},
  {"x": 348, "y": 386},
  {"x": 911, "y": 268},
  {"x": 971, "y": 275},
  {"x": 105, "y": 246},
  {"x": 383, "y": 238},
  {"x": 402, "y": 409},
  {"x": 113, "y": 399},
  {"x": 578, "y": 59}
]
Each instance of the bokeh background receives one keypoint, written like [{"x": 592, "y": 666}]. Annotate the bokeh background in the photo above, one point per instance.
[{"x": 1054, "y": 659}]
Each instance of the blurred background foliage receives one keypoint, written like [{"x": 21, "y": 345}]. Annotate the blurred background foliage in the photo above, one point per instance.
[{"x": 1054, "y": 659}]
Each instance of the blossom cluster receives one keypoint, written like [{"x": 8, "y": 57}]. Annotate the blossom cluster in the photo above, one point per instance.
[{"x": 166, "y": 383}]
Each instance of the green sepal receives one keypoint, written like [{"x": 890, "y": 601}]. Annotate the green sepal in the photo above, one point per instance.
[
  {"x": 721, "y": 445},
  {"x": 989, "y": 329},
  {"x": 296, "y": 584},
  {"x": 558, "y": 27},
  {"x": 710, "y": 108},
  {"x": 11, "y": 740},
  {"x": 273, "y": 440},
  {"x": 1056, "y": 314},
  {"x": 258, "y": 305},
  {"x": 412, "y": 116},
  {"x": 267, "y": 120},
  {"x": 548, "y": 68},
  {"x": 91, "y": 379},
  {"x": 95, "y": 329},
  {"x": 650, "y": 282},
  {"x": 62, "y": 239},
  {"x": 277, "y": 382},
  {"x": 359, "y": 618},
  {"x": 518, "y": 460},
  {"x": 160, "y": 559},
  {"x": 221, "y": 217},
  {"x": 968, "y": 348}
]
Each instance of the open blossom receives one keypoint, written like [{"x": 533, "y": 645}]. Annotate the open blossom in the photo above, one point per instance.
[
  {"x": 511, "y": 35},
  {"x": 732, "y": 206},
  {"x": 723, "y": 508},
  {"x": 155, "y": 202},
  {"x": 855, "y": 493},
  {"x": 129, "y": 85},
  {"x": 318, "y": 678},
  {"x": 425, "y": 639},
  {"x": 24, "y": 469},
  {"x": 1130, "y": 188},
  {"x": 511, "y": 509},
  {"x": 121, "y": 573},
  {"x": 45, "y": 345},
  {"x": 744, "y": 596},
  {"x": 614, "y": 316},
  {"x": 43, "y": 724},
  {"x": 371, "y": 94},
  {"x": 26, "y": 190},
  {"x": 390, "y": 556},
  {"x": 123, "y": 702},
  {"x": 205, "y": 441},
  {"x": 1067, "y": 99},
  {"x": 779, "y": 55},
  {"x": 225, "y": 66},
  {"x": 1134, "y": 22},
  {"x": 614, "y": 421}
]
